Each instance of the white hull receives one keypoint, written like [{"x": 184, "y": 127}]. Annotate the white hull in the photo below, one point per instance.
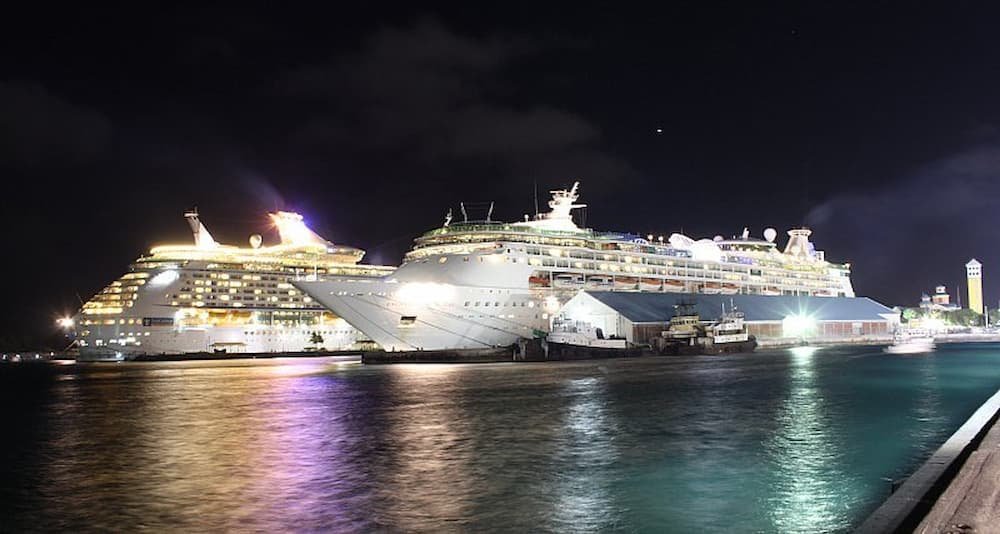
[
  {"x": 486, "y": 284},
  {"x": 229, "y": 340},
  {"x": 396, "y": 324},
  {"x": 912, "y": 346}
]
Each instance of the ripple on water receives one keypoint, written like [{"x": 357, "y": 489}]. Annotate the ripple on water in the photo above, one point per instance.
[{"x": 792, "y": 441}]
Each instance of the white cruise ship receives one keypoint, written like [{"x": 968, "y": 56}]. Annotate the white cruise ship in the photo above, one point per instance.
[
  {"x": 209, "y": 297},
  {"x": 482, "y": 284}
]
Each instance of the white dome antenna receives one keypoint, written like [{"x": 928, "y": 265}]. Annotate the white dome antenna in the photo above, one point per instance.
[{"x": 770, "y": 235}]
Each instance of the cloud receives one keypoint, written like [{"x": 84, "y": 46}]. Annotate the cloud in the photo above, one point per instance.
[
  {"x": 431, "y": 97},
  {"x": 39, "y": 129},
  {"x": 919, "y": 230}
]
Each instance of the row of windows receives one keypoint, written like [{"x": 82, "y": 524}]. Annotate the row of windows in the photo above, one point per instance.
[{"x": 496, "y": 304}]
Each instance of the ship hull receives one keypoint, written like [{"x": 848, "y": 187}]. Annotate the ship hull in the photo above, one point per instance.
[
  {"x": 218, "y": 340},
  {"x": 468, "y": 319}
]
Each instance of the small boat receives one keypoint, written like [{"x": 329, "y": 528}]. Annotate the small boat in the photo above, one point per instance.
[
  {"x": 568, "y": 281},
  {"x": 649, "y": 284},
  {"x": 711, "y": 288},
  {"x": 582, "y": 334},
  {"x": 538, "y": 280},
  {"x": 600, "y": 282},
  {"x": 770, "y": 291},
  {"x": 911, "y": 343},
  {"x": 625, "y": 282},
  {"x": 688, "y": 334},
  {"x": 673, "y": 286},
  {"x": 571, "y": 340},
  {"x": 729, "y": 289}
]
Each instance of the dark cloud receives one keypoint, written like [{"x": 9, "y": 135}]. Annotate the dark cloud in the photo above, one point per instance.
[
  {"x": 923, "y": 227},
  {"x": 38, "y": 128},
  {"x": 440, "y": 99}
]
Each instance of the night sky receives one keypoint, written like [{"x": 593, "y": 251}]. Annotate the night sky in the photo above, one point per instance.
[{"x": 877, "y": 126}]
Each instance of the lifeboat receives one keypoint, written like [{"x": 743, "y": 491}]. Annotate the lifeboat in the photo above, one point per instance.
[
  {"x": 729, "y": 289},
  {"x": 600, "y": 282},
  {"x": 538, "y": 280},
  {"x": 567, "y": 281},
  {"x": 625, "y": 282},
  {"x": 649, "y": 284},
  {"x": 711, "y": 288},
  {"x": 673, "y": 286},
  {"x": 770, "y": 291}
]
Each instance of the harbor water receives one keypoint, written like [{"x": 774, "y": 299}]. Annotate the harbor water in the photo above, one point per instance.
[{"x": 791, "y": 440}]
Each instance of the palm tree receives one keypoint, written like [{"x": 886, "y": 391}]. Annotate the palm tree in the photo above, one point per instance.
[{"x": 316, "y": 339}]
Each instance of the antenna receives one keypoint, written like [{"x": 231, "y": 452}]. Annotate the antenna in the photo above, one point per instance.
[
  {"x": 489, "y": 213},
  {"x": 465, "y": 216},
  {"x": 536, "y": 198}
]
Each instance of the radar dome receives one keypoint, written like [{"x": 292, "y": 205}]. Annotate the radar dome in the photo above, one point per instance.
[
  {"x": 256, "y": 240},
  {"x": 717, "y": 238},
  {"x": 770, "y": 234}
]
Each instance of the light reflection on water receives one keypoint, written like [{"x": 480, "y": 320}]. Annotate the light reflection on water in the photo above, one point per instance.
[
  {"x": 805, "y": 455},
  {"x": 793, "y": 441}
]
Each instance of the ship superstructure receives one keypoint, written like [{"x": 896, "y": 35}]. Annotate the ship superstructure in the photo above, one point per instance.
[
  {"x": 481, "y": 283},
  {"x": 210, "y": 297}
]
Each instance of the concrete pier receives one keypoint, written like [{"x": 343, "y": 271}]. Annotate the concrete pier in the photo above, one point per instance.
[{"x": 957, "y": 490}]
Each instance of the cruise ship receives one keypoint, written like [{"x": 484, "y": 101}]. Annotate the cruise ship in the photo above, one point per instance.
[
  {"x": 473, "y": 284},
  {"x": 210, "y": 297}
]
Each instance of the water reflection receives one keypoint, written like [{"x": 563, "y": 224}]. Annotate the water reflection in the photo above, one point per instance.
[
  {"x": 776, "y": 441},
  {"x": 805, "y": 494},
  {"x": 422, "y": 473},
  {"x": 926, "y": 409},
  {"x": 583, "y": 492}
]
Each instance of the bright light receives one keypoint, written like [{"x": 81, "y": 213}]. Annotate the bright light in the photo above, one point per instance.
[
  {"x": 424, "y": 293},
  {"x": 933, "y": 324},
  {"x": 798, "y": 325},
  {"x": 293, "y": 229},
  {"x": 164, "y": 278},
  {"x": 65, "y": 322}
]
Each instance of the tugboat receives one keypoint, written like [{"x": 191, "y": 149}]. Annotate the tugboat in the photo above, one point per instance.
[
  {"x": 688, "y": 334},
  {"x": 570, "y": 340}
]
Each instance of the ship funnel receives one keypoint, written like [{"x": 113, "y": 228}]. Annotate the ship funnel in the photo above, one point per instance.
[
  {"x": 202, "y": 239},
  {"x": 799, "y": 245},
  {"x": 293, "y": 230}
]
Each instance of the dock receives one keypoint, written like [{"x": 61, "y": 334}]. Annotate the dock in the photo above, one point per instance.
[
  {"x": 972, "y": 501},
  {"x": 957, "y": 490}
]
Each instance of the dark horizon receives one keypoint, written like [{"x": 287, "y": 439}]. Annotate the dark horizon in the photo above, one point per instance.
[{"x": 876, "y": 126}]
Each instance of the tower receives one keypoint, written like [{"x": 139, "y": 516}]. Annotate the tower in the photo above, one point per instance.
[{"x": 974, "y": 275}]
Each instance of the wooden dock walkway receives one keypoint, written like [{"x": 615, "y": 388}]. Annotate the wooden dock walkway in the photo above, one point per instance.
[{"x": 971, "y": 504}]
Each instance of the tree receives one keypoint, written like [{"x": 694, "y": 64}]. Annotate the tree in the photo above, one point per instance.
[
  {"x": 316, "y": 339},
  {"x": 963, "y": 317}
]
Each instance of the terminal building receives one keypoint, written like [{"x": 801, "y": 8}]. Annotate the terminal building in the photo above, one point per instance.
[{"x": 639, "y": 317}]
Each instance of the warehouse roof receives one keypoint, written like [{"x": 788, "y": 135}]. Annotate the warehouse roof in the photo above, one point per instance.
[{"x": 659, "y": 307}]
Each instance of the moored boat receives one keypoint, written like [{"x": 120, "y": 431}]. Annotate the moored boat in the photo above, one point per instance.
[
  {"x": 911, "y": 343},
  {"x": 688, "y": 334}
]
